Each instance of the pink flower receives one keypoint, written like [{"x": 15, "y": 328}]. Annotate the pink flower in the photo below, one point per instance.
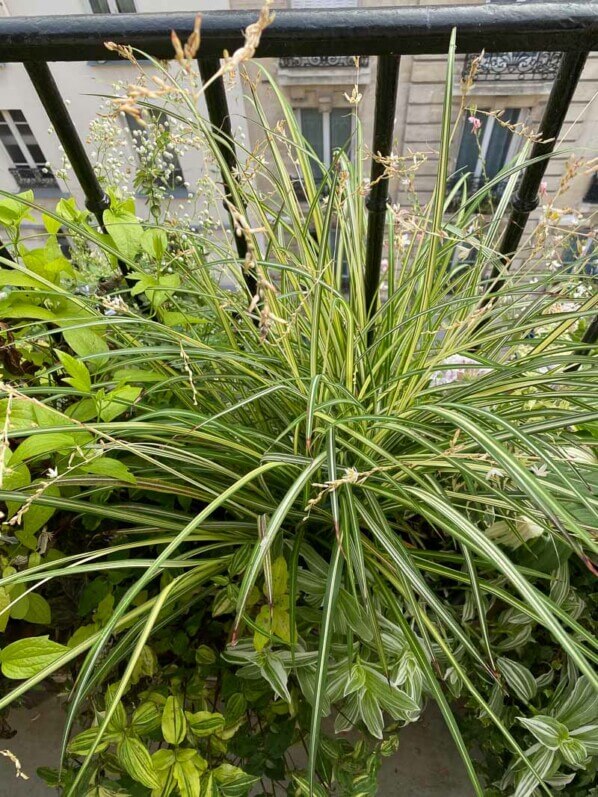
[
  {"x": 543, "y": 188},
  {"x": 475, "y": 123}
]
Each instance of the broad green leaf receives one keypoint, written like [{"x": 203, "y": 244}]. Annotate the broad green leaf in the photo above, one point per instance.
[
  {"x": 18, "y": 279},
  {"x": 43, "y": 444},
  {"x": 12, "y": 212},
  {"x": 5, "y": 600},
  {"x": 51, "y": 224},
  {"x": 28, "y": 310},
  {"x": 38, "y": 611},
  {"x": 38, "y": 515},
  {"x": 154, "y": 242},
  {"x": 174, "y": 724},
  {"x": 26, "y": 657},
  {"x": 112, "y": 468},
  {"x": 79, "y": 377},
  {"x": 82, "y": 633},
  {"x": 21, "y": 607},
  {"x": 125, "y": 230},
  {"x": 118, "y": 401},
  {"x": 137, "y": 762},
  {"x": 84, "y": 341}
]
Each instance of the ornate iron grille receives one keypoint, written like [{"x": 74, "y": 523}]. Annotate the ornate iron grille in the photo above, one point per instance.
[
  {"x": 33, "y": 177},
  {"x": 517, "y": 65},
  {"x": 319, "y": 61}
]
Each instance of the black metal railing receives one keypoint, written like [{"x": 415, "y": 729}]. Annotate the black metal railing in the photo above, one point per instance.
[
  {"x": 570, "y": 28},
  {"x": 33, "y": 177},
  {"x": 322, "y": 61},
  {"x": 539, "y": 66}
]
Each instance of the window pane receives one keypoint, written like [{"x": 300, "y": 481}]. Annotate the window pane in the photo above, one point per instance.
[
  {"x": 10, "y": 143},
  {"x": 468, "y": 151},
  {"x": 29, "y": 141},
  {"x": 313, "y": 131},
  {"x": 16, "y": 116},
  {"x": 99, "y": 6},
  {"x": 340, "y": 130},
  {"x": 126, "y": 6},
  {"x": 500, "y": 141}
]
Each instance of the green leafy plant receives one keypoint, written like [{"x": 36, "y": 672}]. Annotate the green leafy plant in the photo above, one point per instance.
[{"x": 278, "y": 508}]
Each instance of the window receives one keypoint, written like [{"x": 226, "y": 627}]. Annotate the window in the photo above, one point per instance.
[
  {"x": 154, "y": 137},
  {"x": 484, "y": 155},
  {"x": 592, "y": 192},
  {"x": 113, "y": 6},
  {"x": 29, "y": 163},
  {"x": 326, "y": 131}
]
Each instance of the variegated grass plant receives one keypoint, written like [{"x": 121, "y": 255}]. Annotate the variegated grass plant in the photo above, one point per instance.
[{"x": 410, "y": 484}]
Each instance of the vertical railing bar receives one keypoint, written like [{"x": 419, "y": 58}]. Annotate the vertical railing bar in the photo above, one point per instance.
[
  {"x": 96, "y": 200},
  {"x": 387, "y": 82},
  {"x": 526, "y": 199},
  {"x": 217, "y": 103}
]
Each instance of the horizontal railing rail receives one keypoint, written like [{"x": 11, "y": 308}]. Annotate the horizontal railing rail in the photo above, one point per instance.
[{"x": 568, "y": 28}]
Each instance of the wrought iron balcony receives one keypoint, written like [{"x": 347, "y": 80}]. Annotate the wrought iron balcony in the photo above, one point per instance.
[
  {"x": 328, "y": 37},
  {"x": 33, "y": 177},
  {"x": 322, "y": 61},
  {"x": 539, "y": 66}
]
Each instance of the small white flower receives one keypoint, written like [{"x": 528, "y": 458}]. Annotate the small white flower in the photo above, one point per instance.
[
  {"x": 454, "y": 374},
  {"x": 539, "y": 470},
  {"x": 52, "y": 473},
  {"x": 525, "y": 529},
  {"x": 494, "y": 473}
]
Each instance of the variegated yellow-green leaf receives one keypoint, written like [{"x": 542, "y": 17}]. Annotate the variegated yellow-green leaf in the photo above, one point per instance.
[
  {"x": 137, "y": 761},
  {"x": 205, "y": 723},
  {"x": 174, "y": 724},
  {"x": 146, "y": 718},
  {"x": 82, "y": 742}
]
